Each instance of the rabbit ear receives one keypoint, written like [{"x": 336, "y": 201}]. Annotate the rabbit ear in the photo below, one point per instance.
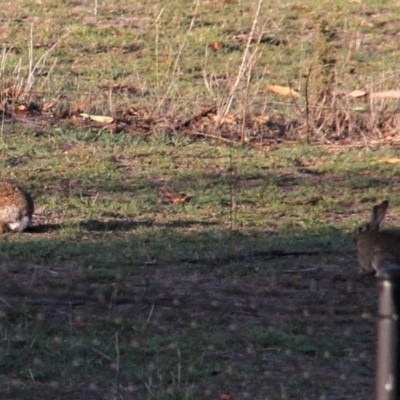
[{"x": 378, "y": 213}]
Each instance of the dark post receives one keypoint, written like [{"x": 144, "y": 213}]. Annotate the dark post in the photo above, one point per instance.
[{"x": 388, "y": 371}]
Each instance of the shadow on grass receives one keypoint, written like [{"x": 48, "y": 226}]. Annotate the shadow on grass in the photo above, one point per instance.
[
  {"x": 126, "y": 225},
  {"x": 111, "y": 225},
  {"x": 44, "y": 228},
  {"x": 87, "y": 291},
  {"x": 64, "y": 301},
  {"x": 241, "y": 308},
  {"x": 293, "y": 175},
  {"x": 208, "y": 239}
]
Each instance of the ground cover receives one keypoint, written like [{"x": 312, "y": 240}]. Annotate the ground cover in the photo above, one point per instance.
[{"x": 175, "y": 256}]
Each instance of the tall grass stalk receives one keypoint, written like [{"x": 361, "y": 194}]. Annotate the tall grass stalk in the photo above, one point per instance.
[
  {"x": 227, "y": 103},
  {"x": 178, "y": 57}
]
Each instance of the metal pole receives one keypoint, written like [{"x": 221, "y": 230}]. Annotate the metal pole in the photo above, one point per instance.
[{"x": 388, "y": 369}]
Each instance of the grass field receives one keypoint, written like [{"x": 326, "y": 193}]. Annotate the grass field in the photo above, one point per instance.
[{"x": 198, "y": 244}]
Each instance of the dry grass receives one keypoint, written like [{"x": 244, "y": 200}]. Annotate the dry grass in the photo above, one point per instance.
[
  {"x": 168, "y": 260},
  {"x": 156, "y": 67}
]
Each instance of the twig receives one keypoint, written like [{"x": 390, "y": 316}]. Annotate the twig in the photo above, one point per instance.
[
  {"x": 33, "y": 278},
  {"x": 118, "y": 377},
  {"x": 5, "y": 302},
  {"x": 242, "y": 68},
  {"x": 100, "y": 353},
  {"x": 222, "y": 139},
  {"x": 33, "y": 68},
  {"x": 197, "y": 117},
  {"x": 151, "y": 312},
  {"x": 179, "y": 55},
  {"x": 179, "y": 367}
]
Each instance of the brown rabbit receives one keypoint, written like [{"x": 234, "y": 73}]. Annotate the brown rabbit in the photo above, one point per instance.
[
  {"x": 16, "y": 208},
  {"x": 377, "y": 248}
]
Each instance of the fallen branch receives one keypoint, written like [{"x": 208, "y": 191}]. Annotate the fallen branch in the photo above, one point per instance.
[{"x": 188, "y": 122}]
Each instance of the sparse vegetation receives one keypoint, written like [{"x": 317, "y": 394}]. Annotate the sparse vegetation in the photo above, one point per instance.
[{"x": 174, "y": 256}]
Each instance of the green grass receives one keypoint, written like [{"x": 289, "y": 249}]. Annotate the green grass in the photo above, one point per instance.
[
  {"x": 163, "y": 52},
  {"x": 251, "y": 287},
  {"x": 185, "y": 287}
]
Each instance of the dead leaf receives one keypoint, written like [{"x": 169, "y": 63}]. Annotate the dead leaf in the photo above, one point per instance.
[
  {"x": 50, "y": 104},
  {"x": 21, "y": 109},
  {"x": 215, "y": 46},
  {"x": 260, "y": 119},
  {"x": 98, "y": 118},
  {"x": 357, "y": 93},
  {"x": 240, "y": 38},
  {"x": 229, "y": 119},
  {"x": 173, "y": 197},
  {"x": 11, "y": 94},
  {"x": 389, "y": 160},
  {"x": 367, "y": 24},
  {"x": 283, "y": 91},
  {"x": 392, "y": 94},
  {"x": 387, "y": 94},
  {"x": 79, "y": 107},
  {"x": 225, "y": 396}
]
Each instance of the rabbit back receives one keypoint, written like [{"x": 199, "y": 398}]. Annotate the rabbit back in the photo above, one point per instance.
[
  {"x": 378, "y": 248},
  {"x": 16, "y": 207}
]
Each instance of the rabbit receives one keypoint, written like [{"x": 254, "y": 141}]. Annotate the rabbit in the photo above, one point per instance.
[
  {"x": 16, "y": 208},
  {"x": 377, "y": 248}
]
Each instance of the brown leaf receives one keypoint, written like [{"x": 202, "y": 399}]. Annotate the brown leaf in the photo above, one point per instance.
[
  {"x": 78, "y": 107},
  {"x": 215, "y": 46},
  {"x": 229, "y": 119},
  {"x": 392, "y": 94},
  {"x": 240, "y": 38},
  {"x": 365, "y": 23},
  {"x": 21, "y": 109},
  {"x": 357, "y": 93},
  {"x": 260, "y": 119},
  {"x": 10, "y": 94},
  {"x": 50, "y": 104},
  {"x": 389, "y": 160},
  {"x": 386, "y": 94},
  {"x": 104, "y": 119},
  {"x": 283, "y": 91},
  {"x": 173, "y": 197},
  {"x": 225, "y": 396}
]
